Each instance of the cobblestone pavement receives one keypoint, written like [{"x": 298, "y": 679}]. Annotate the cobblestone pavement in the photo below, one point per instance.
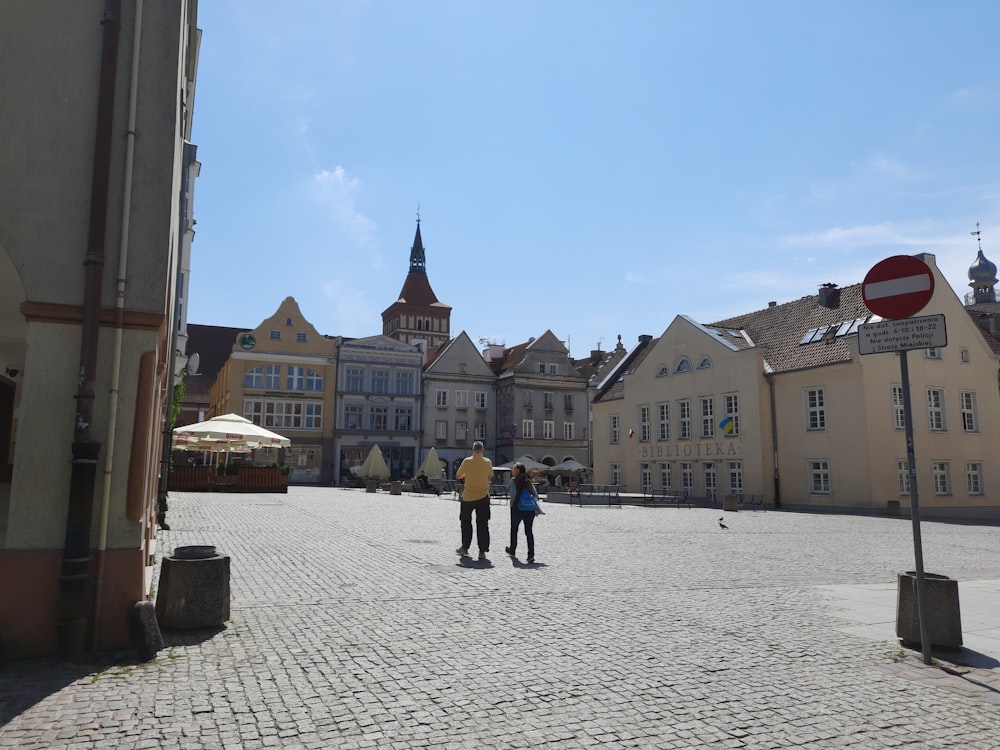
[{"x": 355, "y": 625}]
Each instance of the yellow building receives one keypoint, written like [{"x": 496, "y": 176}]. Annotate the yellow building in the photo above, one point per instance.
[
  {"x": 282, "y": 376},
  {"x": 780, "y": 402}
]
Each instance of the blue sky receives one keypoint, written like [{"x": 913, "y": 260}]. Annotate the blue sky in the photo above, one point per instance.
[{"x": 593, "y": 168}]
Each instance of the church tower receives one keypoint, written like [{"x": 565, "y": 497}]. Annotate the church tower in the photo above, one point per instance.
[{"x": 417, "y": 317}]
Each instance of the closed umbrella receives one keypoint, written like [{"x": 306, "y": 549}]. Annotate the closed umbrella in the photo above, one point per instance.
[
  {"x": 374, "y": 465},
  {"x": 431, "y": 465}
]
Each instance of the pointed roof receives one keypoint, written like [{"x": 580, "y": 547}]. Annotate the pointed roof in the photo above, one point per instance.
[{"x": 416, "y": 287}]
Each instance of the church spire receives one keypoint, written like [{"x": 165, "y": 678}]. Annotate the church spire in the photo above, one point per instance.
[{"x": 418, "y": 263}]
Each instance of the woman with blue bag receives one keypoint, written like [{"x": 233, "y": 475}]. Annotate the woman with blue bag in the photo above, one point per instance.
[{"x": 523, "y": 509}]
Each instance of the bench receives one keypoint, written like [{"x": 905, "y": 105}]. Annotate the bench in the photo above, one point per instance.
[
  {"x": 659, "y": 498},
  {"x": 610, "y": 492},
  {"x": 752, "y": 500}
]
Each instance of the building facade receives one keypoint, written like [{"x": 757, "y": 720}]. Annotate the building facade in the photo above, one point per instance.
[
  {"x": 378, "y": 402},
  {"x": 97, "y": 158},
  {"x": 459, "y": 403},
  {"x": 282, "y": 375},
  {"x": 541, "y": 402},
  {"x": 780, "y": 402}
]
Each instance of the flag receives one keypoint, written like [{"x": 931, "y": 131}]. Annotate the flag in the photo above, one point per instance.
[
  {"x": 631, "y": 432},
  {"x": 727, "y": 425}
]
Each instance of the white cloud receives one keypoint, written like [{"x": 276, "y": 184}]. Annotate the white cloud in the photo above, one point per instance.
[{"x": 336, "y": 192}]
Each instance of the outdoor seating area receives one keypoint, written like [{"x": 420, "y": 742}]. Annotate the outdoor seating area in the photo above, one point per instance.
[
  {"x": 234, "y": 478},
  {"x": 653, "y": 498}
]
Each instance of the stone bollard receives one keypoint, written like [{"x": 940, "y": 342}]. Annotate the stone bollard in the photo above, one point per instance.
[
  {"x": 194, "y": 589},
  {"x": 371, "y": 486},
  {"x": 943, "y": 615},
  {"x": 730, "y": 502},
  {"x": 396, "y": 488}
]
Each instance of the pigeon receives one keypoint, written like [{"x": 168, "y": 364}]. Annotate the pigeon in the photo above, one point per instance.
[{"x": 721, "y": 524}]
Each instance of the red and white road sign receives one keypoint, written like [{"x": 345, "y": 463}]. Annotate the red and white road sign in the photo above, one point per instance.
[{"x": 898, "y": 287}]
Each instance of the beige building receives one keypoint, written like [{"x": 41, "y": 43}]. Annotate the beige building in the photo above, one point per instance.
[
  {"x": 97, "y": 111},
  {"x": 282, "y": 375},
  {"x": 779, "y": 402}
]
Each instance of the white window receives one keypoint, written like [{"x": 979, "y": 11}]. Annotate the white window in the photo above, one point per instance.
[
  {"x": 707, "y": 417},
  {"x": 441, "y": 397},
  {"x": 903, "y": 476},
  {"x": 296, "y": 380},
  {"x": 730, "y": 424},
  {"x": 645, "y": 476},
  {"x": 440, "y": 430},
  {"x": 404, "y": 382},
  {"x": 687, "y": 478},
  {"x": 313, "y": 417},
  {"x": 548, "y": 429},
  {"x": 275, "y": 335},
  {"x": 254, "y": 378},
  {"x": 665, "y": 482},
  {"x": 353, "y": 416},
  {"x": 941, "y": 471},
  {"x": 379, "y": 418},
  {"x": 684, "y": 420},
  {"x": 710, "y": 481},
  {"x": 461, "y": 432},
  {"x": 404, "y": 419},
  {"x": 819, "y": 477},
  {"x": 569, "y": 431},
  {"x": 480, "y": 431},
  {"x": 616, "y": 473},
  {"x": 380, "y": 381},
  {"x": 616, "y": 431},
  {"x": 815, "y": 409},
  {"x": 283, "y": 414},
  {"x": 314, "y": 381},
  {"x": 253, "y": 410},
  {"x": 898, "y": 412},
  {"x": 528, "y": 429},
  {"x": 480, "y": 399},
  {"x": 974, "y": 477},
  {"x": 970, "y": 422},
  {"x": 935, "y": 409},
  {"x": 663, "y": 411},
  {"x": 272, "y": 377},
  {"x": 932, "y": 353},
  {"x": 300, "y": 337},
  {"x": 355, "y": 380},
  {"x": 735, "y": 469},
  {"x": 964, "y": 357},
  {"x": 644, "y": 423},
  {"x": 461, "y": 399}
]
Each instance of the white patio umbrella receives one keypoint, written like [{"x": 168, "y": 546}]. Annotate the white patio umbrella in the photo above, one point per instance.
[
  {"x": 227, "y": 430},
  {"x": 570, "y": 465},
  {"x": 431, "y": 465},
  {"x": 532, "y": 465},
  {"x": 374, "y": 465}
]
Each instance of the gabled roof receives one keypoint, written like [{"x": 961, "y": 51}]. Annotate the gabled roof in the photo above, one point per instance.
[
  {"x": 613, "y": 385},
  {"x": 780, "y": 330}
]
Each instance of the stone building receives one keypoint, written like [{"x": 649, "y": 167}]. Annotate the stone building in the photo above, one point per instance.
[
  {"x": 780, "y": 402},
  {"x": 94, "y": 209}
]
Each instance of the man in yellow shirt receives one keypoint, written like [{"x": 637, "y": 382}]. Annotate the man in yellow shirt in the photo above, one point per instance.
[{"x": 477, "y": 471}]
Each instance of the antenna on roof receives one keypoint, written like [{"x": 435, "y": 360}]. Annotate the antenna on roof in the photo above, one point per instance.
[
  {"x": 977, "y": 234},
  {"x": 418, "y": 212}
]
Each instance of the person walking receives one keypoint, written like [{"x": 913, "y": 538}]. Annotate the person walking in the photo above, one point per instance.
[
  {"x": 476, "y": 470},
  {"x": 519, "y": 482}
]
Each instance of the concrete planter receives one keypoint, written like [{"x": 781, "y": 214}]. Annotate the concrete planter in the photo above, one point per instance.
[{"x": 943, "y": 614}]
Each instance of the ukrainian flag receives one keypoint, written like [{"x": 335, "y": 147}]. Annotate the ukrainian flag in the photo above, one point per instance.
[{"x": 727, "y": 425}]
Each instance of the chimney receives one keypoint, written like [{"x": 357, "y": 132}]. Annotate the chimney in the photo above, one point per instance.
[
  {"x": 772, "y": 304},
  {"x": 829, "y": 296}
]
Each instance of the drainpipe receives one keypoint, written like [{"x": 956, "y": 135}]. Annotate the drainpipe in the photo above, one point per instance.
[
  {"x": 774, "y": 441},
  {"x": 116, "y": 358},
  {"x": 73, "y": 612},
  {"x": 189, "y": 157}
]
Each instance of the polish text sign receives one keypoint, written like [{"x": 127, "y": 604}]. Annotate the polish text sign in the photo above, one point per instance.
[
  {"x": 898, "y": 287},
  {"x": 924, "y": 332}
]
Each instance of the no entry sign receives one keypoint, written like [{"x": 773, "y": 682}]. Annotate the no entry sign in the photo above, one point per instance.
[{"x": 898, "y": 287}]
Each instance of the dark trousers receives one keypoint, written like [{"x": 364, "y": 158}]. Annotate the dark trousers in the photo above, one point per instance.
[
  {"x": 528, "y": 518},
  {"x": 482, "y": 510}
]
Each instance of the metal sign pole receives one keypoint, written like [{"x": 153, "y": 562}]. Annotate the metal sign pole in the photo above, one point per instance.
[{"x": 925, "y": 640}]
